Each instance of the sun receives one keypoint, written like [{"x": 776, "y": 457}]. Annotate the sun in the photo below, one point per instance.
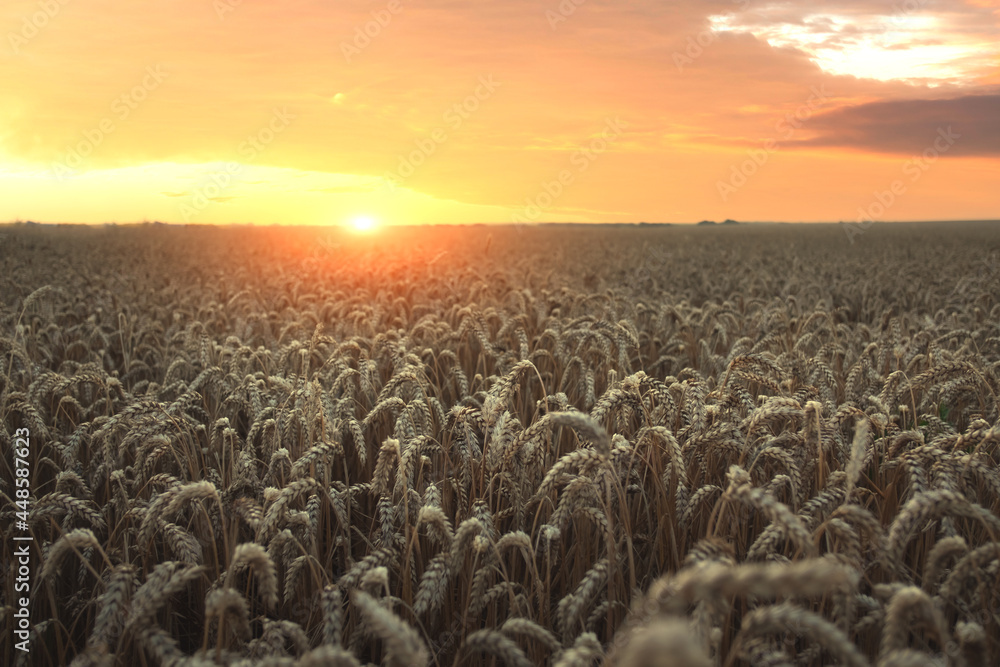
[{"x": 363, "y": 223}]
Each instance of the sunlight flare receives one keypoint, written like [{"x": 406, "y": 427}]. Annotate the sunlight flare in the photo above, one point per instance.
[{"x": 363, "y": 224}]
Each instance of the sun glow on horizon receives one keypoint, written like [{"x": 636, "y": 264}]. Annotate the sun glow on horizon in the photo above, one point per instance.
[{"x": 363, "y": 224}]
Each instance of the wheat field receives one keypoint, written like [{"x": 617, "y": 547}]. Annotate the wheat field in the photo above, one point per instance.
[{"x": 670, "y": 446}]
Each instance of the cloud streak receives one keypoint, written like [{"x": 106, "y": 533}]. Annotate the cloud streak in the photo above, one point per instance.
[{"x": 904, "y": 126}]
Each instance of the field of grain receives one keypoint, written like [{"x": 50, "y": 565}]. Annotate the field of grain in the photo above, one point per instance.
[{"x": 683, "y": 447}]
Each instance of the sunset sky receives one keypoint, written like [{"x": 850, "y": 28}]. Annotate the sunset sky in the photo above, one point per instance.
[{"x": 319, "y": 112}]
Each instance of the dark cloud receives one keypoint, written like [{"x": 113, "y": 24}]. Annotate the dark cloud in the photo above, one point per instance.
[{"x": 911, "y": 126}]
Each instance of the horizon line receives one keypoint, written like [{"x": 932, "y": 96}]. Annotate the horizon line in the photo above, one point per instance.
[{"x": 641, "y": 223}]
